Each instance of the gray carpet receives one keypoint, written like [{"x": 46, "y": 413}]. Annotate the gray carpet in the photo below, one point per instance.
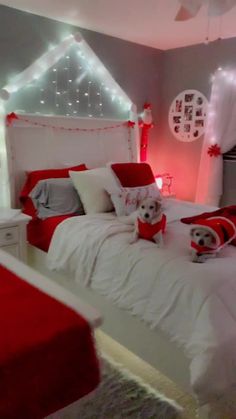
[{"x": 122, "y": 395}]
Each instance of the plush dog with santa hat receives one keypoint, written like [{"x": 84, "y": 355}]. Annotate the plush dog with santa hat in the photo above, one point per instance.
[{"x": 209, "y": 236}]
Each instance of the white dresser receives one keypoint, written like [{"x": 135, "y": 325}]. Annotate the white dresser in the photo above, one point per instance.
[{"x": 13, "y": 233}]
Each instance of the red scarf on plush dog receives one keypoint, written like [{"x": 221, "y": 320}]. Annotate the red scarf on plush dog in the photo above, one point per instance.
[{"x": 147, "y": 231}]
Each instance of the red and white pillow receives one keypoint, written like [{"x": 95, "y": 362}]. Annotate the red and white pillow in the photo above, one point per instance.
[{"x": 134, "y": 182}]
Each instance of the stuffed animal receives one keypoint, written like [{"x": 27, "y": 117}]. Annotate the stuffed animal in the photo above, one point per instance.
[
  {"x": 209, "y": 236},
  {"x": 150, "y": 222}
]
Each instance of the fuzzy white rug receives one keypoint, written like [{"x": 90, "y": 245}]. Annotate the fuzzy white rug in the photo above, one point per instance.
[{"x": 120, "y": 395}]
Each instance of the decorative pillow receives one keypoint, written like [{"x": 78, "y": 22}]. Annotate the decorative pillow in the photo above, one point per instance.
[
  {"x": 134, "y": 182},
  {"x": 92, "y": 187},
  {"x": 53, "y": 197},
  {"x": 131, "y": 175},
  {"x": 34, "y": 177}
]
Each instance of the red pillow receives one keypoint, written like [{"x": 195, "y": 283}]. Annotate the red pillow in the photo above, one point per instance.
[
  {"x": 131, "y": 175},
  {"x": 34, "y": 177}
]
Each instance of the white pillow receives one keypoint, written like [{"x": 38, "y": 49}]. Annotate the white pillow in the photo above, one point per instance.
[
  {"x": 91, "y": 186},
  {"x": 127, "y": 200}
]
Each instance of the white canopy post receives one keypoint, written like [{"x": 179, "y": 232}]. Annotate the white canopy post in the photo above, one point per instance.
[
  {"x": 220, "y": 137},
  {"x": 4, "y": 176}
]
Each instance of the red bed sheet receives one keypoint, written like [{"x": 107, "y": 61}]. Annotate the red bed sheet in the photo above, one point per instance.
[
  {"x": 40, "y": 232},
  {"x": 47, "y": 354}
]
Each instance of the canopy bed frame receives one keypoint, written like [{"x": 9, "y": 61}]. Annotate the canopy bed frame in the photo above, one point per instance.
[{"x": 30, "y": 147}]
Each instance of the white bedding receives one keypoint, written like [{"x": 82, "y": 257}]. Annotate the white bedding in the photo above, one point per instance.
[{"x": 195, "y": 304}]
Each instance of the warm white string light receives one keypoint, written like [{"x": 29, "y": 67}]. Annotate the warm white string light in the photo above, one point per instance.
[
  {"x": 100, "y": 100},
  {"x": 42, "y": 101},
  {"x": 56, "y": 88},
  {"x": 230, "y": 77},
  {"x": 89, "y": 99}
]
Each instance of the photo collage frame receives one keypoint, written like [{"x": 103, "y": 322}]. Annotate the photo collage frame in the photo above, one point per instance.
[{"x": 187, "y": 115}]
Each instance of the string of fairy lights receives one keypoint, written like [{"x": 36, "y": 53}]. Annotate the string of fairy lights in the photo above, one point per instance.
[{"x": 75, "y": 85}]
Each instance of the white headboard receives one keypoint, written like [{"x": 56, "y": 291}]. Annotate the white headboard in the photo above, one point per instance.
[{"x": 33, "y": 147}]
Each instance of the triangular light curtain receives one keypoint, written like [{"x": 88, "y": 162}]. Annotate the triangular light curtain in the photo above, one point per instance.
[
  {"x": 76, "y": 85},
  {"x": 69, "y": 80}
]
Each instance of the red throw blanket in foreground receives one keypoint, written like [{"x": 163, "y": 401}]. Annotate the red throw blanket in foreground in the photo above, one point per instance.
[
  {"x": 47, "y": 354},
  {"x": 227, "y": 212}
]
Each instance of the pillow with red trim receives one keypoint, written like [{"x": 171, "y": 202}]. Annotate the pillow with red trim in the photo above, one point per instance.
[
  {"x": 34, "y": 177},
  {"x": 135, "y": 182}
]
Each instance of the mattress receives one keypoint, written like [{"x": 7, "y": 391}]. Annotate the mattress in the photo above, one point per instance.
[
  {"x": 194, "y": 304},
  {"x": 47, "y": 354},
  {"x": 40, "y": 232}
]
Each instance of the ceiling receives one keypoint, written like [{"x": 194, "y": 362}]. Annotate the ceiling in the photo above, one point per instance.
[{"x": 149, "y": 22}]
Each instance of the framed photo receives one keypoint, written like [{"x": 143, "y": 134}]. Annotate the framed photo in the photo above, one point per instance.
[
  {"x": 187, "y": 127},
  {"x": 189, "y": 97},
  {"x": 199, "y": 112},
  {"x": 187, "y": 115},
  {"x": 199, "y": 100},
  {"x": 177, "y": 119},
  {"x": 177, "y": 128},
  {"x": 199, "y": 123},
  {"x": 178, "y": 105}
]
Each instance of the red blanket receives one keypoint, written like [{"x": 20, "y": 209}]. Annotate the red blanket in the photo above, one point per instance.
[
  {"x": 40, "y": 232},
  {"x": 227, "y": 212},
  {"x": 47, "y": 354}
]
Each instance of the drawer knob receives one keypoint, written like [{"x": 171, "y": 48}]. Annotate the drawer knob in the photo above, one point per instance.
[{"x": 8, "y": 235}]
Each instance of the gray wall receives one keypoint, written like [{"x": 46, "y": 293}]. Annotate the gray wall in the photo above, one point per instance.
[{"x": 188, "y": 68}]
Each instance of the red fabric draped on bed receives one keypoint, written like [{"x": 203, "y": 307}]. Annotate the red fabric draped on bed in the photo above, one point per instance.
[
  {"x": 40, "y": 232},
  {"x": 47, "y": 354}
]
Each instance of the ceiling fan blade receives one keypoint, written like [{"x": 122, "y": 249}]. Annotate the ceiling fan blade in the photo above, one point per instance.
[
  {"x": 220, "y": 7},
  {"x": 188, "y": 9}
]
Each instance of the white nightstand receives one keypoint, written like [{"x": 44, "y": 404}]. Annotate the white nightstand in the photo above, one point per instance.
[{"x": 13, "y": 233}]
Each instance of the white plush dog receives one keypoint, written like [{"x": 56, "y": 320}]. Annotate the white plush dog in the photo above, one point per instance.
[
  {"x": 149, "y": 221},
  {"x": 203, "y": 244}
]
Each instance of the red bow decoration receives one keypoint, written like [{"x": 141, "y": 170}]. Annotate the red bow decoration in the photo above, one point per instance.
[
  {"x": 147, "y": 105},
  {"x": 131, "y": 124},
  {"x": 214, "y": 150},
  {"x": 10, "y": 118}
]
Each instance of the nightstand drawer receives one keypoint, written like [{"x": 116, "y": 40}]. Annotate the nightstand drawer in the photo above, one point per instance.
[
  {"x": 13, "y": 250},
  {"x": 9, "y": 235}
]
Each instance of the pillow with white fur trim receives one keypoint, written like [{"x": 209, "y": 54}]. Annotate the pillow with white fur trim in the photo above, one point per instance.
[
  {"x": 92, "y": 189},
  {"x": 127, "y": 200},
  {"x": 134, "y": 182}
]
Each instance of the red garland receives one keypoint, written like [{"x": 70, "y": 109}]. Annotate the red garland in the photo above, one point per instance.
[
  {"x": 12, "y": 116},
  {"x": 147, "y": 105},
  {"x": 214, "y": 150},
  {"x": 131, "y": 124}
]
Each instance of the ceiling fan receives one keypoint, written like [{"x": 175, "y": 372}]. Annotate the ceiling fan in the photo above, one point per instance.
[{"x": 190, "y": 8}]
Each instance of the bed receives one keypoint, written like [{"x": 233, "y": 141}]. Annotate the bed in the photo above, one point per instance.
[
  {"x": 42, "y": 328},
  {"x": 178, "y": 316}
]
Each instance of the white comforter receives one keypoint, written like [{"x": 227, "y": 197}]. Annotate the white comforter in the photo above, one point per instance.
[{"x": 195, "y": 304}]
